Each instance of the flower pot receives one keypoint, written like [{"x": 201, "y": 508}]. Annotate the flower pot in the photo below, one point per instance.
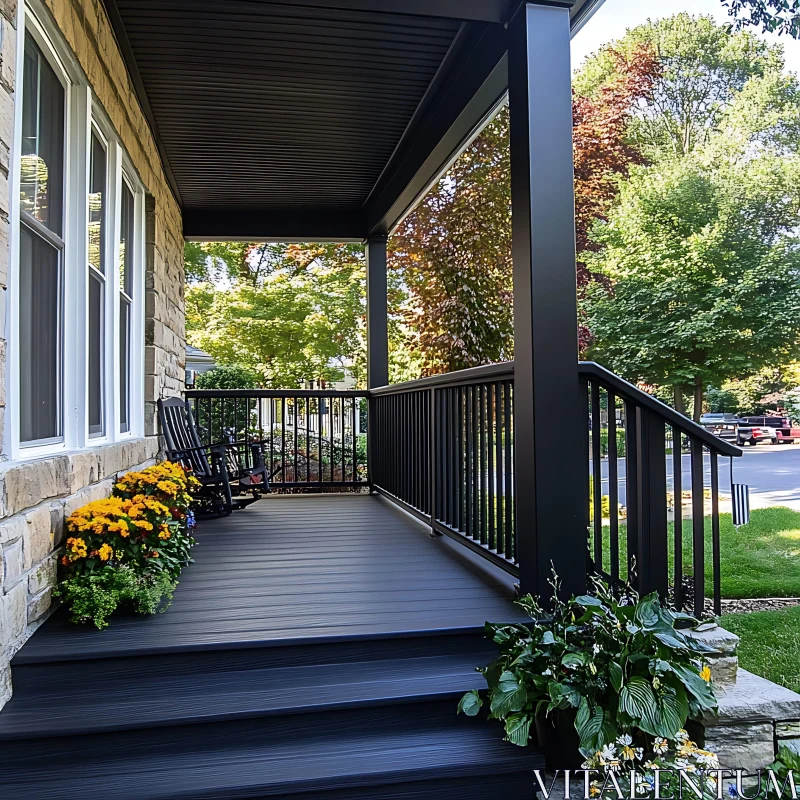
[{"x": 559, "y": 740}]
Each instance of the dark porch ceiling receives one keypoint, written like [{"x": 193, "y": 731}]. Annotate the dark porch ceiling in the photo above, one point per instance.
[{"x": 311, "y": 118}]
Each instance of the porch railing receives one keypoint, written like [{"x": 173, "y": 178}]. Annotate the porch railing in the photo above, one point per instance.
[
  {"x": 313, "y": 440},
  {"x": 443, "y": 449},
  {"x": 635, "y": 481}
]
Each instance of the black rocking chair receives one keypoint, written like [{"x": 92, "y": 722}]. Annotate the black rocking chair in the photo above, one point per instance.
[{"x": 232, "y": 473}]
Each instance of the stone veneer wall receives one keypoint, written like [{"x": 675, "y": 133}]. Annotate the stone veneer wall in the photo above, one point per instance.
[{"x": 35, "y": 496}]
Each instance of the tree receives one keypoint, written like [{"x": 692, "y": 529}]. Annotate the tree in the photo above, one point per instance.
[
  {"x": 703, "y": 66},
  {"x": 775, "y": 16},
  {"x": 705, "y": 268},
  {"x": 710, "y": 222},
  {"x": 228, "y": 378},
  {"x": 292, "y": 315},
  {"x": 453, "y": 253}
]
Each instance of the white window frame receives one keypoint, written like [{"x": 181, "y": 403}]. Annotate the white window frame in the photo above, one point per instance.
[{"x": 83, "y": 113}]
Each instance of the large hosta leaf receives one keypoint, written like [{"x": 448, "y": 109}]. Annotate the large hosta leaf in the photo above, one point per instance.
[
  {"x": 701, "y": 689},
  {"x": 638, "y": 700},
  {"x": 518, "y": 729},
  {"x": 509, "y": 696},
  {"x": 588, "y": 724},
  {"x": 673, "y": 709}
]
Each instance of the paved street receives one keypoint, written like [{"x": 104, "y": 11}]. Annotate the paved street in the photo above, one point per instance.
[{"x": 772, "y": 472}]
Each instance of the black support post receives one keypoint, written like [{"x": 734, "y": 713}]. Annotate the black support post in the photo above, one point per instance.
[
  {"x": 377, "y": 314},
  {"x": 550, "y": 458}
]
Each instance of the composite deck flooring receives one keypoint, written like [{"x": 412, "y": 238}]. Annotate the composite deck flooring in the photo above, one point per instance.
[
  {"x": 294, "y": 568},
  {"x": 316, "y": 648}
]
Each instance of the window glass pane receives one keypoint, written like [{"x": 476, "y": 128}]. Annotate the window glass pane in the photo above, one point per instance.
[
  {"x": 97, "y": 188},
  {"x": 124, "y": 361},
  {"x": 39, "y": 332},
  {"x": 126, "y": 240},
  {"x": 42, "y": 158},
  {"x": 96, "y": 427}
]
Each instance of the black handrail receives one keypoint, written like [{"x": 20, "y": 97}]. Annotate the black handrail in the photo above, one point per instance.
[{"x": 592, "y": 370}]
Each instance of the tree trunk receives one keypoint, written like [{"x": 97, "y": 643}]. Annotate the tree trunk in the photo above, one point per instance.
[
  {"x": 677, "y": 392},
  {"x": 698, "y": 398}
]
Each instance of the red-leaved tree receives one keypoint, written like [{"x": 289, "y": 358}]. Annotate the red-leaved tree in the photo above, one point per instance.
[{"x": 452, "y": 255}]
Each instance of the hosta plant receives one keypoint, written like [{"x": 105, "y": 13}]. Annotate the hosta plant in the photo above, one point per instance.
[{"x": 612, "y": 663}]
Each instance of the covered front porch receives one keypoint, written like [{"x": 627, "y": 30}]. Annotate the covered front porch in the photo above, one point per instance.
[{"x": 318, "y": 643}]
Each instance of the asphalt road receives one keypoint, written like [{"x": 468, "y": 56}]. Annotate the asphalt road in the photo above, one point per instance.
[{"x": 771, "y": 471}]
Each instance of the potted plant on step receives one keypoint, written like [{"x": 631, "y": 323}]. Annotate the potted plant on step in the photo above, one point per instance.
[{"x": 596, "y": 674}]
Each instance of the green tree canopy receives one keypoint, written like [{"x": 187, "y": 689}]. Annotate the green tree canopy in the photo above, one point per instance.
[
  {"x": 705, "y": 267},
  {"x": 289, "y": 313},
  {"x": 776, "y": 16},
  {"x": 703, "y": 67}
]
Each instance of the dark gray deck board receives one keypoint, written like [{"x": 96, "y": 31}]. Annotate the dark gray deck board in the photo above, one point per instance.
[{"x": 298, "y": 568}]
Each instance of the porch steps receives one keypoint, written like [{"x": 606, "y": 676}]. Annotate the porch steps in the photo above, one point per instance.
[{"x": 339, "y": 718}]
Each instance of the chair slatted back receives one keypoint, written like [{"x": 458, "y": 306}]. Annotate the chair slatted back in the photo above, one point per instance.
[{"x": 181, "y": 436}]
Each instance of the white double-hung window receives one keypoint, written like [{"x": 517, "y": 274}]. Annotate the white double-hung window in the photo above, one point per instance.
[
  {"x": 76, "y": 284},
  {"x": 40, "y": 276}
]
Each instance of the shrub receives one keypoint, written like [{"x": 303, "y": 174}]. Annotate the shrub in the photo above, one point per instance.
[
  {"x": 130, "y": 547},
  {"x": 614, "y": 663},
  {"x": 94, "y": 596}
]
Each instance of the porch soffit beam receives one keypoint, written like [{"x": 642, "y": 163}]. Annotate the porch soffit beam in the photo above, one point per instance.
[
  {"x": 468, "y": 10},
  {"x": 254, "y": 224},
  {"x": 118, "y": 28},
  {"x": 466, "y": 99}
]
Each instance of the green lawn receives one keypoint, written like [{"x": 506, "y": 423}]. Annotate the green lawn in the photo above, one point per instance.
[
  {"x": 770, "y": 644},
  {"x": 761, "y": 559}
]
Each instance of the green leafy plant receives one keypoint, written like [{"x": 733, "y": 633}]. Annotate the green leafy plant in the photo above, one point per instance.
[
  {"x": 785, "y": 765},
  {"x": 128, "y": 549},
  {"x": 615, "y": 663},
  {"x": 95, "y": 596}
]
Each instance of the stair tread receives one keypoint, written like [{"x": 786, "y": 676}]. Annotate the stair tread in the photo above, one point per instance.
[
  {"x": 156, "y": 700},
  {"x": 249, "y": 767}
]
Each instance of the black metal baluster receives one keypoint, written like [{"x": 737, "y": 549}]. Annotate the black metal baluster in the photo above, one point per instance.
[
  {"x": 632, "y": 485},
  {"x": 484, "y": 522},
  {"x": 296, "y": 417},
  {"x": 698, "y": 527},
  {"x": 677, "y": 516},
  {"x": 320, "y": 412},
  {"x": 597, "y": 478},
  {"x": 498, "y": 421},
  {"x": 490, "y": 473},
  {"x": 343, "y": 476},
  {"x": 476, "y": 443},
  {"x": 715, "y": 546},
  {"x": 613, "y": 488},
  {"x": 510, "y": 504}
]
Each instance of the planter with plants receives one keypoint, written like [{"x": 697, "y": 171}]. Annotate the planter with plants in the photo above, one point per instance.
[
  {"x": 127, "y": 551},
  {"x": 606, "y": 680}
]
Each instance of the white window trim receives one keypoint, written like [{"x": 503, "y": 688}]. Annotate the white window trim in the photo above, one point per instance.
[{"x": 82, "y": 113}]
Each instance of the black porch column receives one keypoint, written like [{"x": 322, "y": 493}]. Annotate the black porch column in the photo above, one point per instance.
[
  {"x": 377, "y": 311},
  {"x": 551, "y": 467}
]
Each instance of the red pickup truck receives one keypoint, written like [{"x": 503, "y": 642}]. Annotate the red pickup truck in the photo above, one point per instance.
[{"x": 785, "y": 432}]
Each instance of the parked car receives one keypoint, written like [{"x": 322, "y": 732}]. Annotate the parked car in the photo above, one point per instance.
[
  {"x": 726, "y": 426},
  {"x": 786, "y": 432},
  {"x": 747, "y": 433},
  {"x": 715, "y": 417}
]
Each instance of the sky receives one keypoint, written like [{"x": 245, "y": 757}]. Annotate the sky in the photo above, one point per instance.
[{"x": 615, "y": 16}]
